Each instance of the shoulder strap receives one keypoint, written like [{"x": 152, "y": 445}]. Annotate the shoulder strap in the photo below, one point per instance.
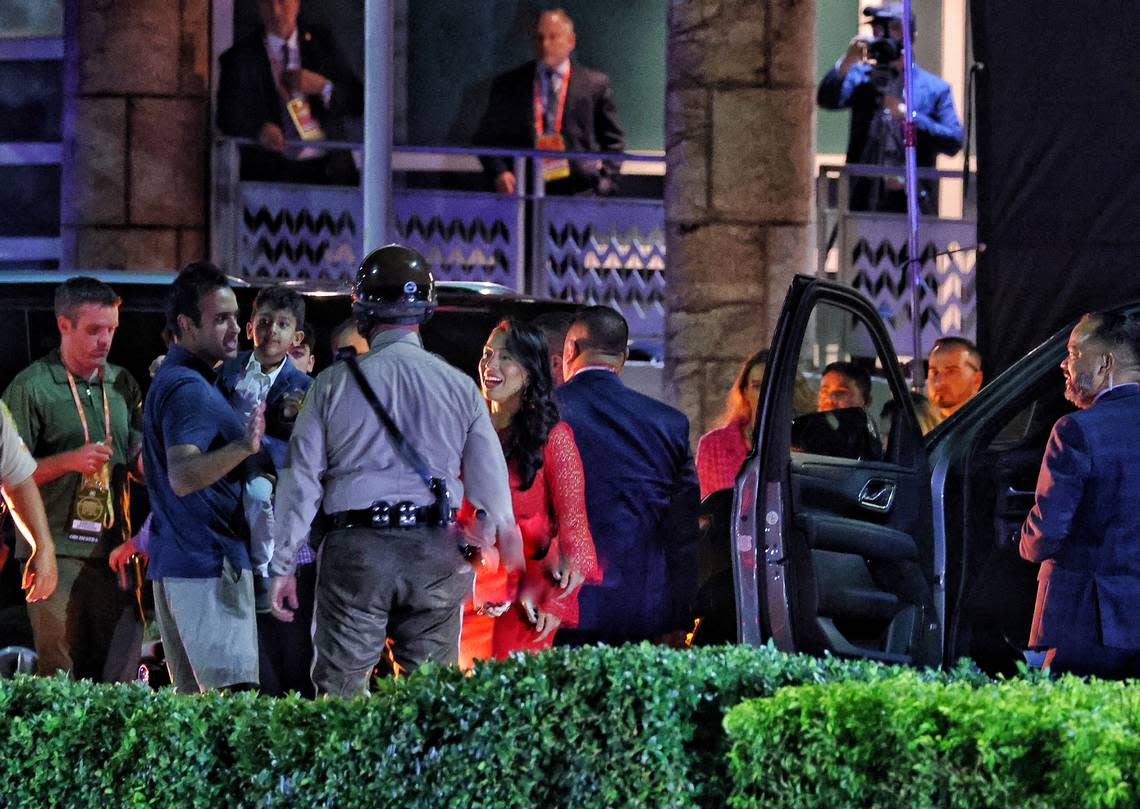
[{"x": 405, "y": 449}]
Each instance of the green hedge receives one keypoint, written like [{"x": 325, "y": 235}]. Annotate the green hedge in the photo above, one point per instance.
[
  {"x": 904, "y": 742},
  {"x": 604, "y": 727}
]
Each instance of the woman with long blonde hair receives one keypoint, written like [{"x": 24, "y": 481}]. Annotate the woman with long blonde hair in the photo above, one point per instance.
[{"x": 721, "y": 451}]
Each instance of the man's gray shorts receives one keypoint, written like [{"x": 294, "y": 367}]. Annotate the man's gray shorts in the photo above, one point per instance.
[
  {"x": 406, "y": 585},
  {"x": 209, "y": 630}
]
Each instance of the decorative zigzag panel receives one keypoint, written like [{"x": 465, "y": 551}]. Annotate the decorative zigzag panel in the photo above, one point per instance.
[
  {"x": 315, "y": 232},
  {"x": 876, "y": 253},
  {"x": 610, "y": 252},
  {"x": 299, "y": 231},
  {"x": 465, "y": 236}
]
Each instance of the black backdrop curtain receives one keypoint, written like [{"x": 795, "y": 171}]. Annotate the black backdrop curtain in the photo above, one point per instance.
[{"x": 1058, "y": 132}]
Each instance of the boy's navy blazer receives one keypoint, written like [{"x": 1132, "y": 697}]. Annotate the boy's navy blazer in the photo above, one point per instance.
[{"x": 278, "y": 426}]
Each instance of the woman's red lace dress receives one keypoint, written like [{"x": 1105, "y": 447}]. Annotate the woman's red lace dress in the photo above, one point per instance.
[{"x": 551, "y": 515}]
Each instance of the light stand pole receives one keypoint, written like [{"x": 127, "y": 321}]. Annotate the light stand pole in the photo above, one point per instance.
[
  {"x": 376, "y": 178},
  {"x": 910, "y": 134}
]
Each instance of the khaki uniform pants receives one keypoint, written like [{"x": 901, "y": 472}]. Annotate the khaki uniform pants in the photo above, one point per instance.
[
  {"x": 372, "y": 585},
  {"x": 87, "y": 627}
]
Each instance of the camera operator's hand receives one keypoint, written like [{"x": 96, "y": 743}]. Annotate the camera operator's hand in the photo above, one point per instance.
[
  {"x": 895, "y": 106},
  {"x": 856, "y": 53}
]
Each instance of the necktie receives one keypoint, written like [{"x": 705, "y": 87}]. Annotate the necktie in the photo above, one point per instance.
[
  {"x": 286, "y": 90},
  {"x": 282, "y": 73},
  {"x": 550, "y": 107}
]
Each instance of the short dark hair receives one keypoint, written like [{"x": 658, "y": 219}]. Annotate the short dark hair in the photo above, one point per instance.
[
  {"x": 80, "y": 290},
  {"x": 606, "y": 329},
  {"x": 278, "y": 297},
  {"x": 353, "y": 323},
  {"x": 554, "y": 326},
  {"x": 856, "y": 373},
  {"x": 308, "y": 337},
  {"x": 1117, "y": 330},
  {"x": 959, "y": 342},
  {"x": 185, "y": 296}
]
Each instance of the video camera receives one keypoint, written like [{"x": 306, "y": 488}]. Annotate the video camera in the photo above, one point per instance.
[{"x": 884, "y": 51}]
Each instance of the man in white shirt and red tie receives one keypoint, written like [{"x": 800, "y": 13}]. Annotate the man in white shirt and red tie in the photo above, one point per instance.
[
  {"x": 287, "y": 81},
  {"x": 553, "y": 103}
]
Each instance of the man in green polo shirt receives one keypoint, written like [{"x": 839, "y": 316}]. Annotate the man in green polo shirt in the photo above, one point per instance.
[{"x": 80, "y": 417}]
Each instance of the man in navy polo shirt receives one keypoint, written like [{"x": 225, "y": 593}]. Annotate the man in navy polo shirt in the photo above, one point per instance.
[{"x": 193, "y": 448}]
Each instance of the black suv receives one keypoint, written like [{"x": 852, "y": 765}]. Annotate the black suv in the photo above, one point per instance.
[{"x": 853, "y": 534}]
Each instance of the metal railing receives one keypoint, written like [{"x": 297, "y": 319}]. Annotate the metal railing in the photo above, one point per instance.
[
  {"x": 608, "y": 250},
  {"x": 867, "y": 250},
  {"x": 584, "y": 249}
]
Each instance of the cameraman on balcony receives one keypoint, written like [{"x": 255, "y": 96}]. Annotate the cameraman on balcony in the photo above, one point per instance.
[{"x": 868, "y": 79}]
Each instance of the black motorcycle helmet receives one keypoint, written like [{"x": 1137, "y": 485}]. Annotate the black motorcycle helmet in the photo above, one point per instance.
[{"x": 394, "y": 285}]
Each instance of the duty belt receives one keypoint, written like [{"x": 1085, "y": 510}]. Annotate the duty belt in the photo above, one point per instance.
[{"x": 381, "y": 514}]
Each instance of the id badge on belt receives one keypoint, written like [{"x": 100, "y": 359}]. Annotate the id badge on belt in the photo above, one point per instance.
[{"x": 553, "y": 168}]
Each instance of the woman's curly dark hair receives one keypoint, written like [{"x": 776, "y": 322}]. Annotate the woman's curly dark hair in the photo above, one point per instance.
[{"x": 537, "y": 413}]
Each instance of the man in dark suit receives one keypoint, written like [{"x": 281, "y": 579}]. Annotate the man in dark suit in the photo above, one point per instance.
[
  {"x": 1084, "y": 528},
  {"x": 553, "y": 103},
  {"x": 641, "y": 491},
  {"x": 284, "y": 66}
]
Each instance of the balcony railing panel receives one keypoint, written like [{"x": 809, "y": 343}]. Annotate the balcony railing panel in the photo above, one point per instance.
[
  {"x": 606, "y": 251},
  {"x": 868, "y": 251},
  {"x": 467, "y": 236},
  {"x": 583, "y": 249},
  {"x": 299, "y": 231},
  {"x": 876, "y": 244}
]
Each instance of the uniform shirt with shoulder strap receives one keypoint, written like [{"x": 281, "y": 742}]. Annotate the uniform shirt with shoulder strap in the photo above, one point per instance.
[{"x": 341, "y": 458}]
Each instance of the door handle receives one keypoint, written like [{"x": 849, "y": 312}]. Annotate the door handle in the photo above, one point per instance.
[
  {"x": 878, "y": 495},
  {"x": 1012, "y": 492}
]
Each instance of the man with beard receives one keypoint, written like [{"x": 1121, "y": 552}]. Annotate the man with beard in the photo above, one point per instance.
[
  {"x": 1084, "y": 528},
  {"x": 953, "y": 374}
]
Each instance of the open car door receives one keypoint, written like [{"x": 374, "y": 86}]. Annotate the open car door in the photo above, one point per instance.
[{"x": 831, "y": 520}]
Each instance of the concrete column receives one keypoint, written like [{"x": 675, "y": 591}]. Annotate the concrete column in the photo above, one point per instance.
[
  {"x": 739, "y": 130},
  {"x": 136, "y": 136}
]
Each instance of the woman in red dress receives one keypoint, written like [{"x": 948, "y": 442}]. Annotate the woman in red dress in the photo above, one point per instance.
[{"x": 548, "y": 495}]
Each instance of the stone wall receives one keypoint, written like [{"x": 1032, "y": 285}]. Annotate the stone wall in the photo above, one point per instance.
[
  {"x": 136, "y": 135},
  {"x": 738, "y": 192}
]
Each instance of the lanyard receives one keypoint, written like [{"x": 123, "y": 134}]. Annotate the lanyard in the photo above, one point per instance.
[
  {"x": 83, "y": 416},
  {"x": 538, "y": 127}
]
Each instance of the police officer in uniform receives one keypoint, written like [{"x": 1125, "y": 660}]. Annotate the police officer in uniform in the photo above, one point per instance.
[{"x": 393, "y": 564}]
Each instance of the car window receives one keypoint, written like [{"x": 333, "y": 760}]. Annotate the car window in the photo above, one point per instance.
[
  {"x": 1030, "y": 423},
  {"x": 841, "y": 392}
]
